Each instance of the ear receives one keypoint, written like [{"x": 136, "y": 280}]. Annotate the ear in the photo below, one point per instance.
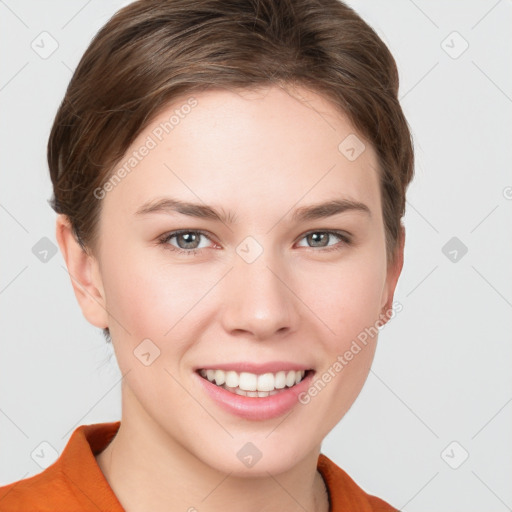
[
  {"x": 84, "y": 272},
  {"x": 393, "y": 273}
]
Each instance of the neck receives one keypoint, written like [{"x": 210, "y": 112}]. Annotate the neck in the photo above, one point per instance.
[{"x": 147, "y": 470}]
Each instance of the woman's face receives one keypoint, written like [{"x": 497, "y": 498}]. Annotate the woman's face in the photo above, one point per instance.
[{"x": 262, "y": 279}]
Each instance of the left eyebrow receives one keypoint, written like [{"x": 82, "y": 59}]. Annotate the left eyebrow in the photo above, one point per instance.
[
  {"x": 304, "y": 213},
  {"x": 328, "y": 209}
]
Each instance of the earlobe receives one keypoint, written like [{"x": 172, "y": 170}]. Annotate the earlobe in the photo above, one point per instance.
[
  {"x": 393, "y": 274},
  {"x": 84, "y": 274}
]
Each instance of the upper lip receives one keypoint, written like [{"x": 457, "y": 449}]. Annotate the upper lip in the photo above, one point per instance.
[{"x": 257, "y": 368}]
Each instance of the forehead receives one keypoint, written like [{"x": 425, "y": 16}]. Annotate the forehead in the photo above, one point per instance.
[{"x": 244, "y": 146}]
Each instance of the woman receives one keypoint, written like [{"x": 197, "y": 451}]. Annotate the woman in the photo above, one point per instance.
[{"x": 229, "y": 179}]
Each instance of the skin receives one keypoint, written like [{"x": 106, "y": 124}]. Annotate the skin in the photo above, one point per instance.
[{"x": 261, "y": 154}]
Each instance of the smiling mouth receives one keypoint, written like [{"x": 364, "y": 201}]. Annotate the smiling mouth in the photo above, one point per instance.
[{"x": 254, "y": 385}]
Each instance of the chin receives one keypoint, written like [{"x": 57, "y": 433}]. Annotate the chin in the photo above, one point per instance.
[{"x": 246, "y": 458}]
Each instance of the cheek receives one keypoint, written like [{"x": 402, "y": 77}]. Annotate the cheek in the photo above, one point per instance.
[
  {"x": 149, "y": 297},
  {"x": 350, "y": 306},
  {"x": 346, "y": 298}
]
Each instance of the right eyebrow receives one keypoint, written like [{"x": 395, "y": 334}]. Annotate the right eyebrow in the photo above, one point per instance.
[
  {"x": 170, "y": 205},
  {"x": 322, "y": 210}
]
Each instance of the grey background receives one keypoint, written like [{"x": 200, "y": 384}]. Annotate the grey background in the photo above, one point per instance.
[{"x": 442, "y": 371}]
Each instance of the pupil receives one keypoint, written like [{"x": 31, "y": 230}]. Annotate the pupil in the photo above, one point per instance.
[
  {"x": 188, "y": 237},
  {"x": 318, "y": 236}
]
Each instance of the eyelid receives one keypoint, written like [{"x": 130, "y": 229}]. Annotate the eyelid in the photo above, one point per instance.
[
  {"x": 163, "y": 239},
  {"x": 340, "y": 233},
  {"x": 346, "y": 239}
]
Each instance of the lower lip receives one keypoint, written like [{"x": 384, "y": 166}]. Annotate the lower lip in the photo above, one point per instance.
[{"x": 256, "y": 408}]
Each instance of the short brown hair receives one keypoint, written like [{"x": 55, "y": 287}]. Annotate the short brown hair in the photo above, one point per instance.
[{"x": 152, "y": 51}]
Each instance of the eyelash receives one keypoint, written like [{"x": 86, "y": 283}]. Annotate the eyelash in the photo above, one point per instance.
[{"x": 164, "y": 239}]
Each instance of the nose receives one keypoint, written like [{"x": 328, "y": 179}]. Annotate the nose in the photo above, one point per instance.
[{"x": 259, "y": 302}]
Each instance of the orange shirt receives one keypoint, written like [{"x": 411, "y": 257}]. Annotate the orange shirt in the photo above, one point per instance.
[{"x": 75, "y": 483}]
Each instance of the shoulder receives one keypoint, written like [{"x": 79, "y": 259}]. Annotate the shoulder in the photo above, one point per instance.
[
  {"x": 74, "y": 482},
  {"x": 42, "y": 492},
  {"x": 345, "y": 494}
]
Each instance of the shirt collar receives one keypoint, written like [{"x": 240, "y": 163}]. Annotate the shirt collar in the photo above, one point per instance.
[
  {"x": 80, "y": 468},
  {"x": 88, "y": 480}
]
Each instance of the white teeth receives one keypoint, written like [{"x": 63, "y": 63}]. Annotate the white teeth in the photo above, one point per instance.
[
  {"x": 220, "y": 377},
  {"x": 231, "y": 379},
  {"x": 280, "y": 380},
  {"x": 290, "y": 379},
  {"x": 266, "y": 382},
  {"x": 250, "y": 384}
]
